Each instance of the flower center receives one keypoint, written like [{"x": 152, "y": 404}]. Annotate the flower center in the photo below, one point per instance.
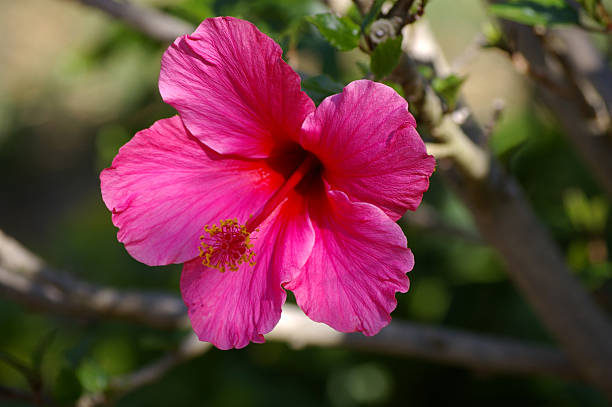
[{"x": 229, "y": 245}]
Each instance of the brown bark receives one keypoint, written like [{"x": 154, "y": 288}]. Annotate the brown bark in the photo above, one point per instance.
[
  {"x": 578, "y": 90},
  {"x": 155, "y": 24},
  {"x": 506, "y": 221}
]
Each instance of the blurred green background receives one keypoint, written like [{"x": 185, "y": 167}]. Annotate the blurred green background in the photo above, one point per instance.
[{"x": 75, "y": 85}]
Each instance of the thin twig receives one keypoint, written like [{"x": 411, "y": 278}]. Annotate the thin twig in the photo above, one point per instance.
[
  {"x": 498, "y": 109},
  {"x": 363, "y": 5}
]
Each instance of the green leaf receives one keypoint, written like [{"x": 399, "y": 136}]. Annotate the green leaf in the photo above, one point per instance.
[
  {"x": 586, "y": 214},
  {"x": 341, "y": 32},
  {"x": 353, "y": 13},
  {"x": 372, "y": 14},
  {"x": 426, "y": 71},
  {"x": 536, "y": 12},
  {"x": 448, "y": 88},
  {"x": 320, "y": 87},
  {"x": 385, "y": 57},
  {"x": 493, "y": 36},
  {"x": 92, "y": 377},
  {"x": 597, "y": 274},
  {"x": 396, "y": 87}
]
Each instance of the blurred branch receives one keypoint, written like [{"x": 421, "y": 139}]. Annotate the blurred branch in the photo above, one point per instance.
[
  {"x": 338, "y": 7},
  {"x": 575, "y": 81},
  {"x": 363, "y": 5},
  {"x": 498, "y": 109},
  {"x": 507, "y": 222},
  {"x": 26, "y": 280},
  {"x": 155, "y": 24}
]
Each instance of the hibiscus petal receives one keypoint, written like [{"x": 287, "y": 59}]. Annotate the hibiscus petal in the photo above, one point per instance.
[
  {"x": 369, "y": 147},
  {"x": 358, "y": 263},
  {"x": 233, "y": 90},
  {"x": 231, "y": 309},
  {"x": 164, "y": 186}
]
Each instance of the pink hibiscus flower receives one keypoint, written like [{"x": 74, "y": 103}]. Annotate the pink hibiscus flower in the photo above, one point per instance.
[{"x": 256, "y": 191}]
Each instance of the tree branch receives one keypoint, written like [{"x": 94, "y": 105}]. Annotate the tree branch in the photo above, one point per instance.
[
  {"x": 566, "y": 59},
  {"x": 506, "y": 221},
  {"x": 26, "y": 280},
  {"x": 151, "y": 22},
  {"x": 363, "y": 5}
]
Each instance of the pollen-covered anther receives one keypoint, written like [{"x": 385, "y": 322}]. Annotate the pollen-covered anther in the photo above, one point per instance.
[{"x": 226, "y": 246}]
